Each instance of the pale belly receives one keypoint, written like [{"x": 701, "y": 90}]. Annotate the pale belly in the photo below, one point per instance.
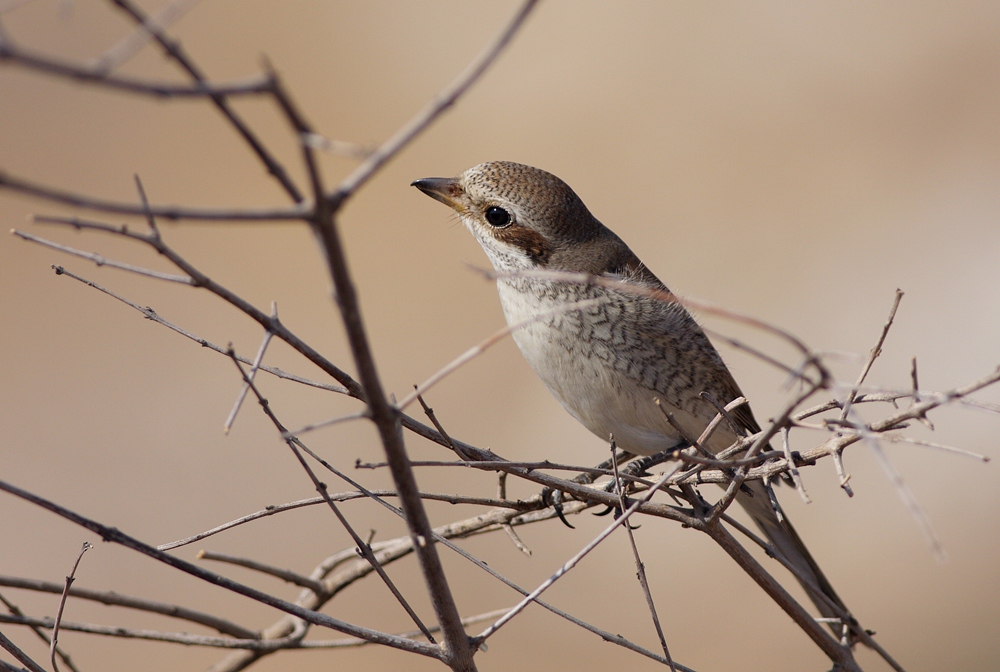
[{"x": 584, "y": 370}]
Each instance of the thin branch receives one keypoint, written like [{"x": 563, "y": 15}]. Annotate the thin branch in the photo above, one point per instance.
[
  {"x": 916, "y": 396},
  {"x": 257, "y": 566},
  {"x": 429, "y": 412},
  {"x": 354, "y": 642},
  {"x": 792, "y": 469},
  {"x": 203, "y": 281},
  {"x": 843, "y": 617},
  {"x": 842, "y": 475},
  {"x": 640, "y": 568},
  {"x": 905, "y": 494},
  {"x": 268, "y": 646},
  {"x": 252, "y": 374},
  {"x": 153, "y": 316},
  {"x": 875, "y": 352},
  {"x": 18, "y": 654},
  {"x": 895, "y": 438},
  {"x": 487, "y": 521},
  {"x": 340, "y": 147},
  {"x": 433, "y": 110},
  {"x": 296, "y": 212},
  {"x": 511, "y": 467},
  {"x": 112, "y": 598},
  {"x": 154, "y": 635},
  {"x": 724, "y": 411},
  {"x": 840, "y": 655},
  {"x": 116, "y": 536},
  {"x": 172, "y": 48},
  {"x": 340, "y": 497},
  {"x": 14, "y": 55},
  {"x": 62, "y": 605},
  {"x": 131, "y": 44},
  {"x": 363, "y": 547},
  {"x": 100, "y": 260},
  {"x": 572, "y": 562},
  {"x": 16, "y": 611},
  {"x": 150, "y": 219},
  {"x": 329, "y": 422}
]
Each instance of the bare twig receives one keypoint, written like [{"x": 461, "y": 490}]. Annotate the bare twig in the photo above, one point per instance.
[
  {"x": 843, "y": 617},
  {"x": 875, "y": 352},
  {"x": 840, "y": 655},
  {"x": 263, "y": 568},
  {"x": 429, "y": 412},
  {"x": 9, "y": 53},
  {"x": 131, "y": 44},
  {"x": 905, "y": 494},
  {"x": 792, "y": 469},
  {"x": 62, "y": 605},
  {"x": 153, "y": 316},
  {"x": 916, "y": 395},
  {"x": 293, "y": 443},
  {"x": 340, "y": 497},
  {"x": 838, "y": 464},
  {"x": 737, "y": 429},
  {"x": 895, "y": 438},
  {"x": 640, "y": 568},
  {"x": 155, "y": 635},
  {"x": 295, "y": 212},
  {"x": 100, "y": 260},
  {"x": 203, "y": 281},
  {"x": 329, "y": 422},
  {"x": 341, "y": 147},
  {"x": 172, "y": 48},
  {"x": 20, "y": 655},
  {"x": 16, "y": 611},
  {"x": 116, "y": 536},
  {"x": 252, "y": 373},
  {"x": 112, "y": 598},
  {"x": 572, "y": 562},
  {"x": 433, "y": 110}
]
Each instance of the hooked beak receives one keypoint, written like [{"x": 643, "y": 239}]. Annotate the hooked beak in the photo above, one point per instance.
[{"x": 444, "y": 189}]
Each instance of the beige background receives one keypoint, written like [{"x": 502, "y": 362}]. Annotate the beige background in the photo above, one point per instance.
[{"x": 797, "y": 162}]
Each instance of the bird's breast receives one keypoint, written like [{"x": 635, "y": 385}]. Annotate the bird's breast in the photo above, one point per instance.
[{"x": 605, "y": 363}]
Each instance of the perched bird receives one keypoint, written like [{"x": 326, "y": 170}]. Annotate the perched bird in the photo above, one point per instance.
[{"x": 608, "y": 362}]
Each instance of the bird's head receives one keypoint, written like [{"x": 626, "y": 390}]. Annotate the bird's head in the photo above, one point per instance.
[{"x": 524, "y": 217}]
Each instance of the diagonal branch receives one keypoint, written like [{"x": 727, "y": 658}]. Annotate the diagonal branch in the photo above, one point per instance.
[
  {"x": 433, "y": 110},
  {"x": 14, "y": 55},
  {"x": 113, "y": 598},
  {"x": 116, "y": 536},
  {"x": 298, "y": 211},
  {"x": 174, "y": 50},
  {"x": 362, "y": 546}
]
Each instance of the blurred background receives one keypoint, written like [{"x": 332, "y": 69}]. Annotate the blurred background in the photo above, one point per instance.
[{"x": 796, "y": 162}]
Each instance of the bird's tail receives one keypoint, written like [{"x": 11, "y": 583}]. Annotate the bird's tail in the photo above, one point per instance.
[{"x": 786, "y": 540}]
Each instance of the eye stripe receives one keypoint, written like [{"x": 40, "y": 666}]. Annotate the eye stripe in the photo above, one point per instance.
[{"x": 529, "y": 241}]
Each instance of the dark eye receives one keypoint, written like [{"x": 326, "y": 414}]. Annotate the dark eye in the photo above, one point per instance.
[{"x": 497, "y": 216}]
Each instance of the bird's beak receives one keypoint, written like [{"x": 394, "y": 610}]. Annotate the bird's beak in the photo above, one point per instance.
[{"x": 444, "y": 189}]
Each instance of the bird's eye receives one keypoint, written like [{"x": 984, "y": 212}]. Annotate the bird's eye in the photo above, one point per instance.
[{"x": 497, "y": 216}]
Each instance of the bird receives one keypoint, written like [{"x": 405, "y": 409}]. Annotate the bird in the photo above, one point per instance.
[{"x": 614, "y": 363}]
